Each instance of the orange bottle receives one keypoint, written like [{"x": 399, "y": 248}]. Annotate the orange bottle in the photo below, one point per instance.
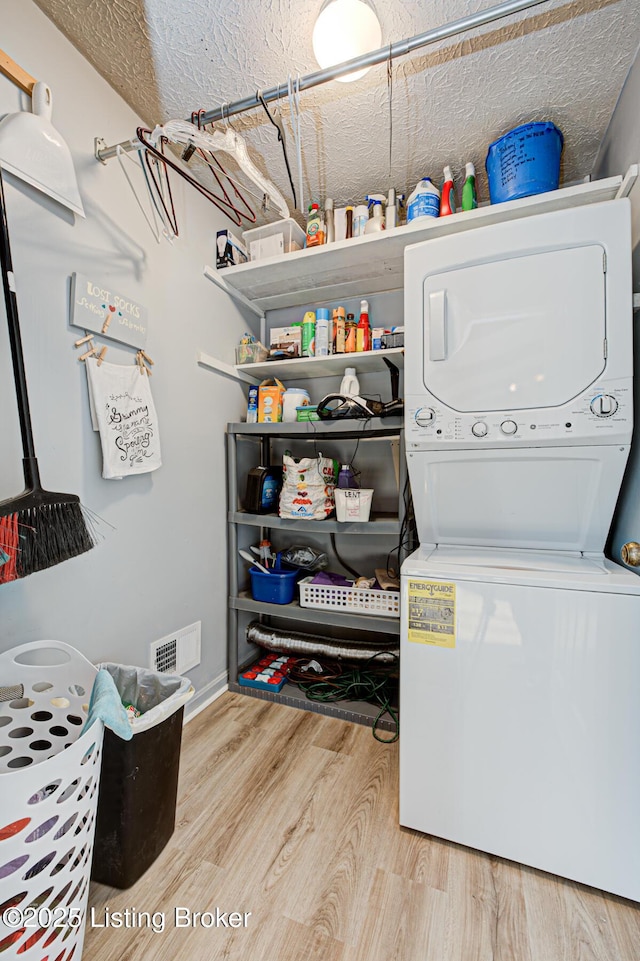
[{"x": 363, "y": 332}]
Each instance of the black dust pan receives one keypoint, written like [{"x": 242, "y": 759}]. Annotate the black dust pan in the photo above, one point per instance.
[{"x": 38, "y": 528}]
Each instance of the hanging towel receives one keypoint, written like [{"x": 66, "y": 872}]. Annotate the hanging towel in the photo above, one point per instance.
[{"x": 122, "y": 409}]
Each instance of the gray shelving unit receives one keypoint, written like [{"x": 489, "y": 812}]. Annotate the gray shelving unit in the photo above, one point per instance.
[{"x": 292, "y": 615}]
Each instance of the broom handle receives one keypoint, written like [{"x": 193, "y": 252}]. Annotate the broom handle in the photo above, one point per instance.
[{"x": 15, "y": 341}]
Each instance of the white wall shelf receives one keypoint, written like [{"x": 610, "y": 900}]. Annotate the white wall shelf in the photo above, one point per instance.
[
  {"x": 375, "y": 263},
  {"x": 334, "y": 365}
]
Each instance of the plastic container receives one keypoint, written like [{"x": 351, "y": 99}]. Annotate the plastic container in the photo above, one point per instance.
[
  {"x": 424, "y": 201},
  {"x": 251, "y": 353},
  {"x": 327, "y": 597},
  {"x": 137, "y": 803},
  {"x": 353, "y": 505},
  {"x": 350, "y": 386},
  {"x": 346, "y": 477},
  {"x": 360, "y": 220},
  {"x": 310, "y": 412},
  {"x": 273, "y": 240},
  {"x": 293, "y": 398},
  {"x": 524, "y": 162},
  {"x": 276, "y": 587},
  {"x": 49, "y": 778}
]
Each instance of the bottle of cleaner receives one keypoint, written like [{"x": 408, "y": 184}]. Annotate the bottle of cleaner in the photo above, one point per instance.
[
  {"x": 315, "y": 233},
  {"x": 376, "y": 222},
  {"x": 330, "y": 229},
  {"x": 346, "y": 477},
  {"x": 350, "y": 386},
  {"x": 448, "y": 201},
  {"x": 424, "y": 201},
  {"x": 322, "y": 332},
  {"x": 469, "y": 196},
  {"x": 350, "y": 331},
  {"x": 363, "y": 333},
  {"x": 339, "y": 327},
  {"x": 360, "y": 218},
  {"x": 308, "y": 333}
]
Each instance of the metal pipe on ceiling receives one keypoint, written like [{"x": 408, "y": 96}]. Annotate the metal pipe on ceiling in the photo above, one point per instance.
[{"x": 389, "y": 52}]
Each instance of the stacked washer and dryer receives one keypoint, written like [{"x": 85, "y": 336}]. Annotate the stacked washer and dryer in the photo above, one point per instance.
[{"x": 520, "y": 654}]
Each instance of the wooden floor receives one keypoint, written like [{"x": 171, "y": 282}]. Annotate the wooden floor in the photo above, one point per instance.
[{"x": 293, "y": 817}]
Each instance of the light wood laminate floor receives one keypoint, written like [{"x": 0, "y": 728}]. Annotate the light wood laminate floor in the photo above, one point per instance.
[{"x": 293, "y": 817}]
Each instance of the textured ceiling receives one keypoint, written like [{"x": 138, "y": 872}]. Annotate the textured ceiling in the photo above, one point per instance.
[{"x": 561, "y": 61}]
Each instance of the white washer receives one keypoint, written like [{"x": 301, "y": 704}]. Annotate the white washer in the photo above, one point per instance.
[{"x": 520, "y": 720}]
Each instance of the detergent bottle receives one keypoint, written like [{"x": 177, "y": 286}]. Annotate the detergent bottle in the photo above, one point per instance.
[
  {"x": 350, "y": 386},
  {"x": 424, "y": 201},
  {"x": 315, "y": 233},
  {"x": 448, "y": 201},
  {"x": 469, "y": 197}
]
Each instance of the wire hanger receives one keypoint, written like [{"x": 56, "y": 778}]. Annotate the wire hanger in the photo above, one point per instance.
[
  {"x": 225, "y": 202},
  {"x": 152, "y": 221},
  {"x": 156, "y": 164},
  {"x": 294, "y": 110},
  {"x": 276, "y": 120}
]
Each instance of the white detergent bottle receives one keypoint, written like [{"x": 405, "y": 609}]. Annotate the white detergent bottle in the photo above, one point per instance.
[
  {"x": 350, "y": 386},
  {"x": 424, "y": 201},
  {"x": 376, "y": 222}
]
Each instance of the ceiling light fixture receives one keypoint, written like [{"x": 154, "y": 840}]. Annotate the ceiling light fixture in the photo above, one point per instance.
[{"x": 345, "y": 29}]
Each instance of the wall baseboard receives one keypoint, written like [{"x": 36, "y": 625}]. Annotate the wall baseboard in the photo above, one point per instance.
[{"x": 206, "y": 696}]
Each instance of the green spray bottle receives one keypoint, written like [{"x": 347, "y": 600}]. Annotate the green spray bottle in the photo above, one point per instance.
[{"x": 469, "y": 196}]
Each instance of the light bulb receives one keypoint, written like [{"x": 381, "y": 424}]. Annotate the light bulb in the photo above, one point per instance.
[{"x": 345, "y": 29}]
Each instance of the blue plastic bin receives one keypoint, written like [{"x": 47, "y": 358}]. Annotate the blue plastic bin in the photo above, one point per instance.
[
  {"x": 524, "y": 162},
  {"x": 276, "y": 587}
]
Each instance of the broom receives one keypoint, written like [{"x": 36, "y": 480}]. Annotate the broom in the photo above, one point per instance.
[{"x": 38, "y": 528}]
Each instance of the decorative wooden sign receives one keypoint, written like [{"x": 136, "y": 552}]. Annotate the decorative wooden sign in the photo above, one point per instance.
[{"x": 101, "y": 309}]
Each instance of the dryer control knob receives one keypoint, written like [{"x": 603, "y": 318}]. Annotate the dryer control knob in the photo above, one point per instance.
[
  {"x": 508, "y": 427},
  {"x": 425, "y": 417},
  {"x": 479, "y": 429},
  {"x": 604, "y": 405}
]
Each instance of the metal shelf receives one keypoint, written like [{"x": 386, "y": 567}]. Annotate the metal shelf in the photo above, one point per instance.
[
  {"x": 293, "y": 612},
  {"x": 375, "y": 263},
  {"x": 346, "y": 429},
  {"x": 378, "y": 523},
  {"x": 359, "y": 712}
]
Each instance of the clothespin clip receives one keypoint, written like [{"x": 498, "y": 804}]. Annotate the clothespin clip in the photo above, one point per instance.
[
  {"x": 140, "y": 362},
  {"x": 93, "y": 350},
  {"x": 83, "y": 340},
  {"x": 146, "y": 357},
  {"x": 107, "y": 321},
  {"x": 101, "y": 355}
]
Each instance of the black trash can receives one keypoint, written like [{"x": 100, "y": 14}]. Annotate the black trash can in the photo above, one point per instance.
[{"x": 139, "y": 781}]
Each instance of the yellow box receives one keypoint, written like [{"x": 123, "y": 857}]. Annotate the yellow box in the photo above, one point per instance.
[{"x": 270, "y": 401}]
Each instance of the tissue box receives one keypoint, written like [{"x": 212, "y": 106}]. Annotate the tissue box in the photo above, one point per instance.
[
  {"x": 270, "y": 401},
  {"x": 229, "y": 250}
]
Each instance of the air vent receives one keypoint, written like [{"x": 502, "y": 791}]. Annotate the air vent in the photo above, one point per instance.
[{"x": 178, "y": 652}]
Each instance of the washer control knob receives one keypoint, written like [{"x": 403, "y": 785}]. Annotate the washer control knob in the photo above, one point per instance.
[
  {"x": 508, "y": 427},
  {"x": 604, "y": 405},
  {"x": 425, "y": 417},
  {"x": 479, "y": 429}
]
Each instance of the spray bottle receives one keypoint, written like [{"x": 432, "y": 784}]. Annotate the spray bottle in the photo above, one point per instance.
[
  {"x": 448, "y": 200},
  {"x": 469, "y": 197},
  {"x": 376, "y": 222}
]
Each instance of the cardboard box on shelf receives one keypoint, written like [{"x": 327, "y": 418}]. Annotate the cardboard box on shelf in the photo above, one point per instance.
[
  {"x": 229, "y": 250},
  {"x": 287, "y": 341},
  {"x": 270, "y": 401}
]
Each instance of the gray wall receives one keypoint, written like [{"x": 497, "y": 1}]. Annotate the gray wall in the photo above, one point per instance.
[
  {"x": 619, "y": 149},
  {"x": 163, "y": 567}
]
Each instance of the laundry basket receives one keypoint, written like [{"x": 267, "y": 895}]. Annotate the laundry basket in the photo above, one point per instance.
[{"x": 49, "y": 778}]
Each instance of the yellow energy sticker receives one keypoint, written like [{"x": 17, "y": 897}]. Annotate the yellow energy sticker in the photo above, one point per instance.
[{"x": 432, "y": 613}]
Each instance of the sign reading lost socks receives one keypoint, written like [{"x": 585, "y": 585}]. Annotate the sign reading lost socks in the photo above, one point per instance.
[
  {"x": 98, "y": 307},
  {"x": 432, "y": 613}
]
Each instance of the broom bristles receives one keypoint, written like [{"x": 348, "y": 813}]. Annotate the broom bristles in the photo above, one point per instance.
[{"x": 41, "y": 536}]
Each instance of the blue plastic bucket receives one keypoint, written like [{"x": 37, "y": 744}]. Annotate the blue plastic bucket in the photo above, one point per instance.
[
  {"x": 276, "y": 587},
  {"x": 524, "y": 162}
]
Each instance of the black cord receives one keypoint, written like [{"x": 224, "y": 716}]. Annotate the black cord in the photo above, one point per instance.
[
  {"x": 371, "y": 683},
  {"x": 344, "y": 564}
]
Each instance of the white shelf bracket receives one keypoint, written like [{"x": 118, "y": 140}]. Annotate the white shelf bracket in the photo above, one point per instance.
[
  {"x": 628, "y": 181},
  {"x": 214, "y": 277},
  {"x": 206, "y": 360}
]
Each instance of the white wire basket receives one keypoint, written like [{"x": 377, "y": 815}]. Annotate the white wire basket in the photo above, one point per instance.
[
  {"x": 49, "y": 777},
  {"x": 326, "y": 597}
]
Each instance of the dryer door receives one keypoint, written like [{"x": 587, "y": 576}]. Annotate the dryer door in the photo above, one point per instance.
[{"x": 525, "y": 331}]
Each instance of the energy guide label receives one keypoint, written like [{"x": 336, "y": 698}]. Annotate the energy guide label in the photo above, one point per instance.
[{"x": 432, "y": 613}]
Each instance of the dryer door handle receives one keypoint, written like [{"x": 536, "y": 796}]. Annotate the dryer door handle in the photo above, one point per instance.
[{"x": 438, "y": 325}]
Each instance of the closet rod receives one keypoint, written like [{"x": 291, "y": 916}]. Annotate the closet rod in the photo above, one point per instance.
[{"x": 389, "y": 52}]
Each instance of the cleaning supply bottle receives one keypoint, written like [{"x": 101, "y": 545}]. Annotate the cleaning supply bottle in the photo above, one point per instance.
[
  {"x": 322, "y": 332},
  {"x": 339, "y": 323},
  {"x": 469, "y": 196},
  {"x": 330, "y": 229},
  {"x": 363, "y": 332},
  {"x": 349, "y": 213},
  {"x": 360, "y": 219},
  {"x": 448, "y": 201},
  {"x": 308, "y": 333},
  {"x": 315, "y": 233},
  {"x": 376, "y": 222},
  {"x": 346, "y": 477},
  {"x": 424, "y": 201},
  {"x": 350, "y": 342},
  {"x": 350, "y": 386},
  {"x": 391, "y": 211}
]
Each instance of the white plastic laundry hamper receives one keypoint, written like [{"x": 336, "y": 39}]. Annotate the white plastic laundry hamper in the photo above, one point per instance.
[{"x": 49, "y": 777}]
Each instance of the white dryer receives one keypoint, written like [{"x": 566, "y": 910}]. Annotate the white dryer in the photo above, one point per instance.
[{"x": 520, "y": 725}]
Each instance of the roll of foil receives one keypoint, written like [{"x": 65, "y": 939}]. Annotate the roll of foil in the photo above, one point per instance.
[{"x": 292, "y": 642}]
